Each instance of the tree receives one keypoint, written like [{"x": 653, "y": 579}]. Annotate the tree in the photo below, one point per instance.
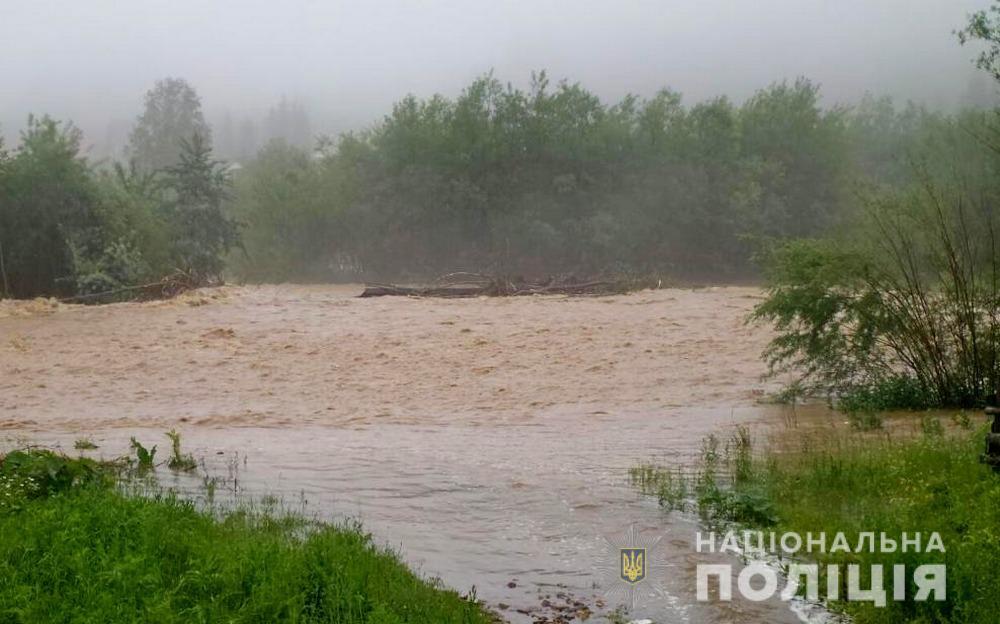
[
  {"x": 48, "y": 210},
  {"x": 172, "y": 115},
  {"x": 984, "y": 27},
  {"x": 797, "y": 155},
  {"x": 285, "y": 213},
  {"x": 197, "y": 187}
]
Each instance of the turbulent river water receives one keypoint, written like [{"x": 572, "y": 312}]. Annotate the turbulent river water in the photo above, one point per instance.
[{"x": 487, "y": 440}]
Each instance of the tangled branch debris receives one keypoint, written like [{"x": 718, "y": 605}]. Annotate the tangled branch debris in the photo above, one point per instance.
[
  {"x": 476, "y": 285},
  {"x": 170, "y": 286}
]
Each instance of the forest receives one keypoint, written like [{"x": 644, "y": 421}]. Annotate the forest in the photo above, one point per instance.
[{"x": 543, "y": 181}]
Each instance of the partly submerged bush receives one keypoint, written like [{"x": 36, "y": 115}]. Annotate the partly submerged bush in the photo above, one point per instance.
[
  {"x": 902, "y": 312},
  {"x": 46, "y": 473}
]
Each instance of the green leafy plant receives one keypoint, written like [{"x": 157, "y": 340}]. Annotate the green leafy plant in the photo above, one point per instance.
[
  {"x": 669, "y": 486},
  {"x": 143, "y": 455},
  {"x": 42, "y": 473},
  {"x": 178, "y": 460}
]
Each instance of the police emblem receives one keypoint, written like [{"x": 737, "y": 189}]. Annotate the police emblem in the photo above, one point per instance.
[
  {"x": 633, "y": 568},
  {"x": 632, "y": 558}
]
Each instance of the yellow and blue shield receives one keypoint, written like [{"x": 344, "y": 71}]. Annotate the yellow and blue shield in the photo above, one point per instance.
[{"x": 633, "y": 568}]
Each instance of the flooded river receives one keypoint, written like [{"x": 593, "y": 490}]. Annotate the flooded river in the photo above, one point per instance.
[{"x": 488, "y": 440}]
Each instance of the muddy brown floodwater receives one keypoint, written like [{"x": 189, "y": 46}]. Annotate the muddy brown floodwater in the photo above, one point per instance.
[{"x": 488, "y": 440}]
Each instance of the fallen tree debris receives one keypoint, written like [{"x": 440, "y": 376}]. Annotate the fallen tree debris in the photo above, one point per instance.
[
  {"x": 474, "y": 285},
  {"x": 170, "y": 286}
]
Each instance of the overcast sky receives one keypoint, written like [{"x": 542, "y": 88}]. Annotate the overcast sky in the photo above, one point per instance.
[{"x": 92, "y": 60}]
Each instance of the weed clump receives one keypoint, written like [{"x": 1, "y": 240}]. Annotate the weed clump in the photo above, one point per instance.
[
  {"x": 143, "y": 456},
  {"x": 178, "y": 460}
]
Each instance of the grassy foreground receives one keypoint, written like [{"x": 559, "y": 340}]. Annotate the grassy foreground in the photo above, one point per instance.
[
  {"x": 74, "y": 548},
  {"x": 853, "y": 482}
]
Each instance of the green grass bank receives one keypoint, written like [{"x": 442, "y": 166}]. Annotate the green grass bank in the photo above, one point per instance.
[
  {"x": 838, "y": 480},
  {"x": 75, "y": 548}
]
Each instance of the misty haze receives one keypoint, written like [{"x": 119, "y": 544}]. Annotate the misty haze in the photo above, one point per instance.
[
  {"x": 530, "y": 312},
  {"x": 346, "y": 63}
]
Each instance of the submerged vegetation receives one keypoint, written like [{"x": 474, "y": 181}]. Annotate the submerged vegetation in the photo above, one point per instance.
[
  {"x": 76, "y": 547},
  {"x": 178, "y": 459},
  {"x": 848, "y": 482}
]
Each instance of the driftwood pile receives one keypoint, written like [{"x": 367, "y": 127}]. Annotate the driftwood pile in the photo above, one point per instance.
[
  {"x": 168, "y": 287},
  {"x": 476, "y": 285}
]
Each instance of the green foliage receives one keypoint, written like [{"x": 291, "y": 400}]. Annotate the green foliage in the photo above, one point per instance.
[
  {"x": 84, "y": 444},
  {"x": 892, "y": 392},
  {"x": 984, "y": 27},
  {"x": 722, "y": 491},
  {"x": 48, "y": 211},
  {"x": 293, "y": 210},
  {"x": 962, "y": 420},
  {"x": 899, "y": 310},
  {"x": 545, "y": 180},
  {"x": 923, "y": 485},
  {"x": 832, "y": 482},
  {"x": 196, "y": 188},
  {"x": 670, "y": 487},
  {"x": 93, "y": 554},
  {"x": 799, "y": 152},
  {"x": 67, "y": 229},
  {"x": 725, "y": 486},
  {"x": 537, "y": 181},
  {"x": 178, "y": 460},
  {"x": 931, "y": 426},
  {"x": 826, "y": 331},
  {"x": 34, "y": 473},
  {"x": 143, "y": 455}
]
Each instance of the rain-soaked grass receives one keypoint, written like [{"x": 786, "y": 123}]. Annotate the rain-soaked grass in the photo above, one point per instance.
[
  {"x": 848, "y": 481},
  {"x": 76, "y": 546}
]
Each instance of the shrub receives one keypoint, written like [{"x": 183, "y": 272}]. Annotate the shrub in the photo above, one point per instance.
[{"x": 901, "y": 314}]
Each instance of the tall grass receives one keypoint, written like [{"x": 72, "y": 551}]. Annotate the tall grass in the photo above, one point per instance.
[
  {"x": 74, "y": 548},
  {"x": 852, "y": 482}
]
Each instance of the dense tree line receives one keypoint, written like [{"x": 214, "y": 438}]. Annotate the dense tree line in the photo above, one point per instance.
[
  {"x": 551, "y": 179},
  {"x": 536, "y": 181},
  {"x": 68, "y": 227}
]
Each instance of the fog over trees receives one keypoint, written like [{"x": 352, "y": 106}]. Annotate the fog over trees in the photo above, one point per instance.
[
  {"x": 518, "y": 174},
  {"x": 345, "y": 63}
]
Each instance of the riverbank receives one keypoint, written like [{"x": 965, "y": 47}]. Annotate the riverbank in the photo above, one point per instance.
[
  {"x": 74, "y": 547},
  {"x": 917, "y": 477}
]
